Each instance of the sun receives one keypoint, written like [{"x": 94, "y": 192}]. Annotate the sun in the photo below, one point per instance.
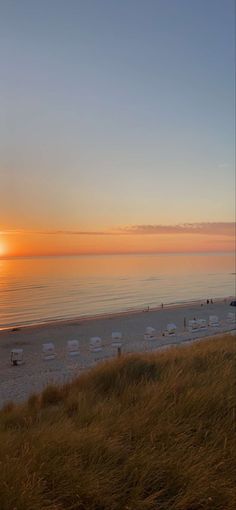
[{"x": 3, "y": 248}]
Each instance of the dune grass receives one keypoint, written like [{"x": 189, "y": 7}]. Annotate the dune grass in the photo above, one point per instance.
[{"x": 144, "y": 432}]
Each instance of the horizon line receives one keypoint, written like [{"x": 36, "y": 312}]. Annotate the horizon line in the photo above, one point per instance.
[{"x": 102, "y": 254}]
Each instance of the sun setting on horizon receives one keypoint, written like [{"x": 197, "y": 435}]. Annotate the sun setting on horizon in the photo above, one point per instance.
[
  {"x": 188, "y": 238},
  {"x": 4, "y": 249}
]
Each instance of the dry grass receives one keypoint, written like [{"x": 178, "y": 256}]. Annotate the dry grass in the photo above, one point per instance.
[{"x": 146, "y": 432}]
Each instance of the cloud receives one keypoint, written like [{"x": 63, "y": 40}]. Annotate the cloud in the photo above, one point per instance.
[
  {"x": 207, "y": 228},
  {"x": 214, "y": 228},
  {"x": 223, "y": 166}
]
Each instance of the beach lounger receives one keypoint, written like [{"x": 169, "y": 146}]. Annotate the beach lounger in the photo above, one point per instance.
[
  {"x": 73, "y": 347},
  {"x": 49, "y": 352},
  {"x": 231, "y": 317},
  {"x": 116, "y": 339},
  {"x": 171, "y": 329},
  {"x": 95, "y": 344},
  {"x": 202, "y": 324},
  {"x": 213, "y": 321},
  {"x": 17, "y": 357},
  {"x": 150, "y": 333},
  {"x": 193, "y": 326}
]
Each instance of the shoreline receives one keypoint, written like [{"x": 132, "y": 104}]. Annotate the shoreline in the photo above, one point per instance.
[{"x": 112, "y": 315}]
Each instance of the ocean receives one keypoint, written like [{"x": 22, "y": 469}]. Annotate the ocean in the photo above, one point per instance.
[{"x": 37, "y": 290}]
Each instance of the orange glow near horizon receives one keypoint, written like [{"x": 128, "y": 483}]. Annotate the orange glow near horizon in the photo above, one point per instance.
[
  {"x": 43, "y": 244},
  {"x": 4, "y": 249}
]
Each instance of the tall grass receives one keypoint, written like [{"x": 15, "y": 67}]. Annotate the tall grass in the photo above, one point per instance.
[{"x": 145, "y": 432}]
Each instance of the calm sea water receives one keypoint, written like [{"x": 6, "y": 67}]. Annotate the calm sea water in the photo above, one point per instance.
[{"x": 35, "y": 290}]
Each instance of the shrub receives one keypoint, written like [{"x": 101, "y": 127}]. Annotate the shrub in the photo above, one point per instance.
[
  {"x": 141, "y": 432},
  {"x": 52, "y": 395}
]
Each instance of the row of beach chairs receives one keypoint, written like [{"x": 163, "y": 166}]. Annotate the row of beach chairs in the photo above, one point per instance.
[
  {"x": 95, "y": 342},
  {"x": 73, "y": 348},
  {"x": 199, "y": 324},
  {"x": 194, "y": 325}
]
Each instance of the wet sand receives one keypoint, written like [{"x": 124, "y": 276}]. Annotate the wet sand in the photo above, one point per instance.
[{"x": 19, "y": 382}]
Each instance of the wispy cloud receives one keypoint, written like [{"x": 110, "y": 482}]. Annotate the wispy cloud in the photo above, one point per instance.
[
  {"x": 220, "y": 228},
  {"x": 207, "y": 228},
  {"x": 57, "y": 232},
  {"x": 223, "y": 166}
]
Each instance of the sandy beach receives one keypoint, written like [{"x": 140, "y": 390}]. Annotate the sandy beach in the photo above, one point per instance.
[{"x": 19, "y": 382}]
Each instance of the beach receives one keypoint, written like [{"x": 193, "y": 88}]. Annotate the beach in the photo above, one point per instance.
[{"x": 17, "y": 383}]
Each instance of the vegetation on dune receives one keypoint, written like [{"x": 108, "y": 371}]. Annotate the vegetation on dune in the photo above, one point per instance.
[{"x": 144, "y": 432}]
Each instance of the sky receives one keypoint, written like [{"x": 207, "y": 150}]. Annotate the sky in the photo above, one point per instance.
[{"x": 116, "y": 126}]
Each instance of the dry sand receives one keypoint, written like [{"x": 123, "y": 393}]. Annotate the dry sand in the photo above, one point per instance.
[{"x": 19, "y": 382}]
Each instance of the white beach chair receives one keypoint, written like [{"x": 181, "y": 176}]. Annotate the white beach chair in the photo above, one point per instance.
[
  {"x": 213, "y": 321},
  {"x": 17, "y": 357},
  {"x": 150, "y": 333},
  {"x": 116, "y": 339},
  {"x": 202, "y": 324},
  {"x": 73, "y": 347},
  {"x": 116, "y": 342},
  {"x": 171, "y": 329},
  {"x": 231, "y": 317},
  {"x": 49, "y": 352},
  {"x": 193, "y": 326},
  {"x": 95, "y": 344}
]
